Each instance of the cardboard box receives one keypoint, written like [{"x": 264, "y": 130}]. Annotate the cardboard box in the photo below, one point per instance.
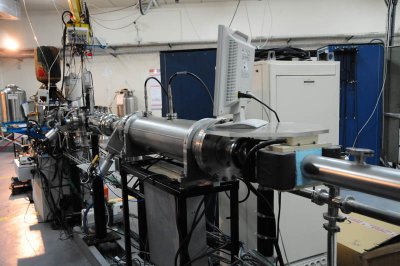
[{"x": 364, "y": 241}]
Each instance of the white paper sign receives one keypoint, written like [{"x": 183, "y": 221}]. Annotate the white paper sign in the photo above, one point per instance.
[{"x": 154, "y": 90}]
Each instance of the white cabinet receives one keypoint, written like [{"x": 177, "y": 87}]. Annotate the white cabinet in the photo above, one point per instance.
[
  {"x": 305, "y": 91},
  {"x": 300, "y": 91}
]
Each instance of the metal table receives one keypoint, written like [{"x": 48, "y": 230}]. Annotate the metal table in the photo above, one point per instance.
[{"x": 181, "y": 195}]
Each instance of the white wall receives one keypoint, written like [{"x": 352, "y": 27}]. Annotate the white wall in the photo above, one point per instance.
[
  {"x": 109, "y": 74},
  {"x": 194, "y": 22},
  {"x": 186, "y": 23}
]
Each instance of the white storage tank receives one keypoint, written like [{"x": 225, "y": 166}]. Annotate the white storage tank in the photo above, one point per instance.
[{"x": 12, "y": 98}]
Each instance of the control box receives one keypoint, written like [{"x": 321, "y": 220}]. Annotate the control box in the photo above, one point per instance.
[
  {"x": 279, "y": 168},
  {"x": 78, "y": 35},
  {"x": 24, "y": 171}
]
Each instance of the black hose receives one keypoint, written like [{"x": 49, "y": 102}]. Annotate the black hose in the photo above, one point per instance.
[
  {"x": 159, "y": 82},
  {"x": 245, "y": 172},
  {"x": 196, "y": 77},
  {"x": 35, "y": 122},
  {"x": 249, "y": 96},
  {"x": 252, "y": 152}
]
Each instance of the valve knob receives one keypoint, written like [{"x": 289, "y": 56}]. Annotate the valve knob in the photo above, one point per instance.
[{"x": 360, "y": 154}]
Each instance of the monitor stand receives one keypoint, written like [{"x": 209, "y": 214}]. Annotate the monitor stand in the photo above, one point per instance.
[{"x": 240, "y": 121}]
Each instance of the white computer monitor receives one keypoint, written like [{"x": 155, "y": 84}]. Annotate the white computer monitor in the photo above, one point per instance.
[{"x": 234, "y": 71}]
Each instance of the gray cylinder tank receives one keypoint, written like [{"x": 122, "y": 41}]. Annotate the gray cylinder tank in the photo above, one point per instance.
[
  {"x": 130, "y": 103},
  {"x": 12, "y": 98},
  {"x": 127, "y": 103}
]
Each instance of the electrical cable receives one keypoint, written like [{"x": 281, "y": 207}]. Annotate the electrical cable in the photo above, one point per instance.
[
  {"x": 195, "y": 222},
  {"x": 266, "y": 113},
  {"x": 115, "y": 19},
  {"x": 248, "y": 21},
  {"x": 242, "y": 200},
  {"x": 252, "y": 152},
  {"x": 117, "y": 28},
  {"x": 55, "y": 6},
  {"x": 270, "y": 24},
  {"x": 84, "y": 222},
  {"x": 278, "y": 231},
  {"x": 130, "y": 179},
  {"x": 275, "y": 242},
  {"x": 39, "y": 46},
  {"x": 35, "y": 122},
  {"x": 190, "y": 21},
  {"x": 385, "y": 70},
  {"x": 155, "y": 162},
  {"x": 54, "y": 210},
  {"x": 115, "y": 10},
  {"x": 284, "y": 249},
  {"x": 112, "y": 191},
  {"x": 144, "y": 179},
  {"x": 196, "y": 77},
  {"x": 251, "y": 96},
  {"x": 123, "y": 234},
  {"x": 279, "y": 215},
  {"x": 282, "y": 54},
  {"x": 108, "y": 214},
  {"x": 377, "y": 40},
  {"x": 246, "y": 173},
  {"x": 149, "y": 5},
  {"x": 205, "y": 255},
  {"x": 33, "y": 32},
  {"x": 63, "y": 42},
  {"x": 234, "y": 14},
  {"x": 158, "y": 81}
]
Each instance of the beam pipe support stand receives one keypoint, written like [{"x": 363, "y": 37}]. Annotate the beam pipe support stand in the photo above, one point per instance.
[
  {"x": 98, "y": 196},
  {"x": 125, "y": 203}
]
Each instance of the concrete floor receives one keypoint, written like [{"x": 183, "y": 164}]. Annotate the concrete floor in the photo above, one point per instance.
[{"x": 24, "y": 241}]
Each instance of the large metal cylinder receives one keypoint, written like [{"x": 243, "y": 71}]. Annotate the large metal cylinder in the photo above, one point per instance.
[
  {"x": 158, "y": 134},
  {"x": 12, "y": 98},
  {"x": 73, "y": 89},
  {"x": 130, "y": 103},
  {"x": 126, "y": 102},
  {"x": 151, "y": 134},
  {"x": 375, "y": 180}
]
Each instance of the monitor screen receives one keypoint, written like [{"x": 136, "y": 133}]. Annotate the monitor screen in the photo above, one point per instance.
[{"x": 234, "y": 70}]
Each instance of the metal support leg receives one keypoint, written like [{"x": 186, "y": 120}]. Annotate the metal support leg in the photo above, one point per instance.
[
  {"x": 14, "y": 147},
  {"x": 332, "y": 216},
  {"x": 127, "y": 229},
  {"x": 234, "y": 205},
  {"x": 182, "y": 229},
  {"x": 98, "y": 196},
  {"x": 142, "y": 224},
  {"x": 266, "y": 227}
]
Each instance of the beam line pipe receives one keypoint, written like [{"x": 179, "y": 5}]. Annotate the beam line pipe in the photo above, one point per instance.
[
  {"x": 367, "y": 210},
  {"x": 349, "y": 204},
  {"x": 157, "y": 134},
  {"x": 379, "y": 181}
]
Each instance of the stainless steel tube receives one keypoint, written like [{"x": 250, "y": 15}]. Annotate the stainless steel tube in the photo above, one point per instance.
[
  {"x": 103, "y": 123},
  {"x": 52, "y": 134},
  {"x": 352, "y": 205},
  {"x": 349, "y": 204},
  {"x": 375, "y": 180},
  {"x": 332, "y": 228},
  {"x": 158, "y": 134},
  {"x": 170, "y": 103},
  {"x": 146, "y": 103}
]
